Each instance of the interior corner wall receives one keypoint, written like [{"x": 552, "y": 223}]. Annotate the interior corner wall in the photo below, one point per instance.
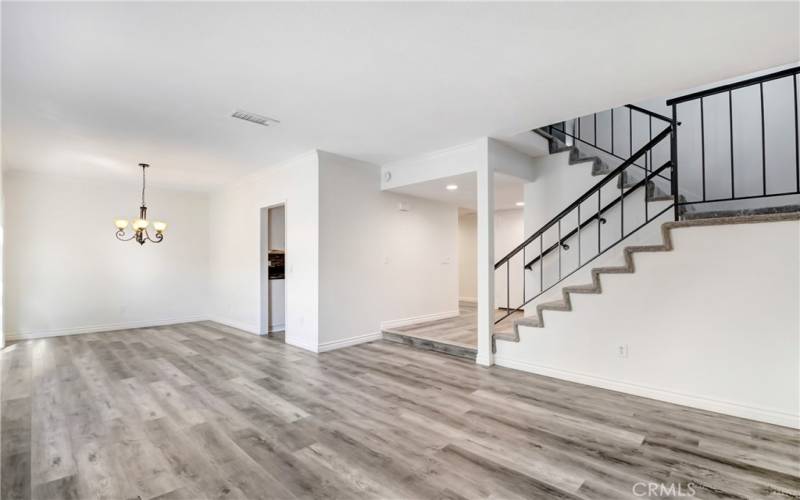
[
  {"x": 236, "y": 248},
  {"x": 379, "y": 264},
  {"x": 66, "y": 273},
  {"x": 468, "y": 257}
]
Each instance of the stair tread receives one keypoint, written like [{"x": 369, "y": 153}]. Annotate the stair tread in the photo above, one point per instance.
[
  {"x": 588, "y": 288},
  {"x": 645, "y": 248},
  {"x": 527, "y": 321},
  {"x": 554, "y": 305},
  {"x": 611, "y": 270}
]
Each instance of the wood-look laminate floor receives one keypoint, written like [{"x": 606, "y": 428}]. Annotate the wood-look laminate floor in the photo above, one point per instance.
[
  {"x": 461, "y": 331},
  {"x": 205, "y": 411}
]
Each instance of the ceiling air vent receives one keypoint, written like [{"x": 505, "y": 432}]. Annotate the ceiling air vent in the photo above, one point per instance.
[{"x": 254, "y": 118}]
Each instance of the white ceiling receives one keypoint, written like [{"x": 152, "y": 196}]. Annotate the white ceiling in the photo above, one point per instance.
[
  {"x": 93, "y": 88},
  {"x": 508, "y": 190}
]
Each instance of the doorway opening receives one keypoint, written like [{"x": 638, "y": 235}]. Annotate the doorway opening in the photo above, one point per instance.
[{"x": 273, "y": 272}]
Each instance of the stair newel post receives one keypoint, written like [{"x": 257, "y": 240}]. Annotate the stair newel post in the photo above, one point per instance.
[{"x": 673, "y": 158}]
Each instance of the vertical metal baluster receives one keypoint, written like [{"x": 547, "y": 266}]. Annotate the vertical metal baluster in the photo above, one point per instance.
[
  {"x": 673, "y": 160},
  {"x": 599, "y": 216},
  {"x": 730, "y": 109},
  {"x": 630, "y": 132},
  {"x": 508, "y": 286},
  {"x": 541, "y": 264},
  {"x": 559, "y": 249},
  {"x": 796, "y": 139},
  {"x": 647, "y": 194},
  {"x": 579, "y": 235},
  {"x": 763, "y": 142},
  {"x": 524, "y": 276},
  {"x": 646, "y": 171},
  {"x": 612, "y": 131},
  {"x": 703, "y": 144},
  {"x": 647, "y": 162},
  {"x": 595, "y": 130},
  {"x": 622, "y": 204}
]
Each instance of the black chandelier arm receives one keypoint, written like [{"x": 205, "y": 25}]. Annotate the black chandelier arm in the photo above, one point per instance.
[
  {"x": 158, "y": 238},
  {"x": 120, "y": 234}
]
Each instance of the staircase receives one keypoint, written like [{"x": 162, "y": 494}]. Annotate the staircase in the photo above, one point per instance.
[
  {"x": 595, "y": 287},
  {"x": 674, "y": 203},
  {"x": 599, "y": 167}
]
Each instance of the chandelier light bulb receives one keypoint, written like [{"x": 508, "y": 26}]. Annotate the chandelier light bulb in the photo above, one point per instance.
[
  {"x": 159, "y": 226},
  {"x": 121, "y": 223},
  {"x": 140, "y": 224}
]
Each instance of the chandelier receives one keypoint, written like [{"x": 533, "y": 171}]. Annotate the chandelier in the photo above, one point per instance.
[{"x": 139, "y": 225}]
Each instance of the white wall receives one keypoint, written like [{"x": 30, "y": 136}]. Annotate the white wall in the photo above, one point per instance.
[
  {"x": 468, "y": 257},
  {"x": 508, "y": 233},
  {"x": 434, "y": 165},
  {"x": 277, "y": 228},
  {"x": 694, "y": 323},
  {"x": 236, "y": 249},
  {"x": 65, "y": 272},
  {"x": 379, "y": 265}
]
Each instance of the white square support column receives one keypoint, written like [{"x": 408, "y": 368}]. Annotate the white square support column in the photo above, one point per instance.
[{"x": 485, "y": 254}]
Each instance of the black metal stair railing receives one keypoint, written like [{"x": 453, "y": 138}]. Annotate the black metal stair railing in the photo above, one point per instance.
[
  {"x": 761, "y": 161},
  {"x": 774, "y": 166},
  {"x": 616, "y": 122},
  {"x": 572, "y": 223}
]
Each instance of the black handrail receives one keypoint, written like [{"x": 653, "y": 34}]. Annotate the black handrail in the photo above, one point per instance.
[
  {"x": 648, "y": 112},
  {"x": 765, "y": 189},
  {"x": 543, "y": 289},
  {"x": 588, "y": 194},
  {"x": 733, "y": 86},
  {"x": 594, "y": 217},
  {"x": 563, "y": 130},
  {"x": 577, "y": 135}
]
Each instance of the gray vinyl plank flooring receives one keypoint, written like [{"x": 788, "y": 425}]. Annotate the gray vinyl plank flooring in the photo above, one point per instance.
[
  {"x": 459, "y": 331},
  {"x": 201, "y": 410}
]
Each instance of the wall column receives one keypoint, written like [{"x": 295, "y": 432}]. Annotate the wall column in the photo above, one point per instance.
[{"x": 485, "y": 260}]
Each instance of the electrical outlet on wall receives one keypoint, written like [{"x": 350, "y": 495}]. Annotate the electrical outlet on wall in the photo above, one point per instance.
[{"x": 622, "y": 350}]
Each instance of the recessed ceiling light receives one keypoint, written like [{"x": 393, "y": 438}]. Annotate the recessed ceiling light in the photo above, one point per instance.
[
  {"x": 520, "y": 203},
  {"x": 451, "y": 187}
]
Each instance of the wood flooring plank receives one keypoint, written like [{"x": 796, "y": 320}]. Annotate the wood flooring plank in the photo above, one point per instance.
[{"x": 201, "y": 410}]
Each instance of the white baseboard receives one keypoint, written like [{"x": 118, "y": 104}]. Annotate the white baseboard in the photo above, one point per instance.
[
  {"x": 727, "y": 407},
  {"x": 239, "y": 325},
  {"x": 358, "y": 339},
  {"x": 471, "y": 300},
  {"x": 394, "y": 323},
  {"x": 302, "y": 345},
  {"x": 110, "y": 327}
]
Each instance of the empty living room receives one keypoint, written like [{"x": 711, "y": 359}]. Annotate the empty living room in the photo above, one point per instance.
[{"x": 399, "y": 250}]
